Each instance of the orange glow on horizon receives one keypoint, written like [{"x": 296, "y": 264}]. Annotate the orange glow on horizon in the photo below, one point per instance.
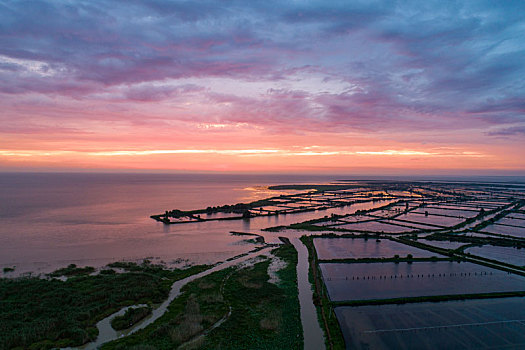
[{"x": 297, "y": 159}]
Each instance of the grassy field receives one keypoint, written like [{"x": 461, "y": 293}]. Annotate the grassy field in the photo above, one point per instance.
[
  {"x": 130, "y": 317},
  {"x": 41, "y": 313},
  {"x": 230, "y": 309}
]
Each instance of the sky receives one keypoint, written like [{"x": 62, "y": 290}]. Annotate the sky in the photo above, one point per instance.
[{"x": 375, "y": 87}]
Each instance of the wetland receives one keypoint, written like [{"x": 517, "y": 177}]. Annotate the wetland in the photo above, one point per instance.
[{"x": 295, "y": 263}]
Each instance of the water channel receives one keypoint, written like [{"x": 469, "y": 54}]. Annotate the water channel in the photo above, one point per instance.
[{"x": 313, "y": 335}]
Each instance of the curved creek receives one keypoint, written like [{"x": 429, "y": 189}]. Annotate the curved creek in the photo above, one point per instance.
[
  {"x": 312, "y": 333},
  {"x": 107, "y": 333}
]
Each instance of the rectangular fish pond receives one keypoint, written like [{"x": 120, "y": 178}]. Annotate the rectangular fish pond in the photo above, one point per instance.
[
  {"x": 378, "y": 226},
  {"x": 442, "y": 244},
  {"x": 420, "y": 217},
  {"x": 357, "y": 248},
  {"x": 362, "y": 281},
  {"x": 505, "y": 230},
  {"x": 509, "y": 255},
  {"x": 468, "y": 324}
]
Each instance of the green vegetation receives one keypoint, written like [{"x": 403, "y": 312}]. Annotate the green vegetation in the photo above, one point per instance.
[
  {"x": 200, "y": 305},
  {"x": 130, "y": 317},
  {"x": 257, "y": 240},
  {"x": 46, "y": 313},
  {"x": 230, "y": 308},
  {"x": 509, "y": 208},
  {"x": 264, "y": 316},
  {"x": 72, "y": 270}
]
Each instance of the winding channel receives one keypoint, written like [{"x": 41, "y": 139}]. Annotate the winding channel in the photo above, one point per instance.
[
  {"x": 313, "y": 335},
  {"x": 107, "y": 333}
]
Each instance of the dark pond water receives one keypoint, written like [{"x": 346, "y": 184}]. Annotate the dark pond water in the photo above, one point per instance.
[
  {"x": 390, "y": 280},
  {"x": 340, "y": 248},
  {"x": 509, "y": 255},
  {"x": 505, "y": 230},
  {"x": 471, "y": 324}
]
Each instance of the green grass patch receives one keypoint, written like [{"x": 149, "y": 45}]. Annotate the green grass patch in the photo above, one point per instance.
[
  {"x": 263, "y": 315},
  {"x": 130, "y": 317},
  {"x": 47, "y": 313},
  {"x": 199, "y": 306},
  {"x": 8, "y": 269},
  {"x": 72, "y": 270}
]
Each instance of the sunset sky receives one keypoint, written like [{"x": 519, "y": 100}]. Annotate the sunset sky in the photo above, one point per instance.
[{"x": 263, "y": 86}]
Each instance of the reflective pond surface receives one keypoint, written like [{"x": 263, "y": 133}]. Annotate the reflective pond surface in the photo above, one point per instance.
[
  {"x": 470, "y": 324},
  {"x": 356, "y": 248},
  {"x": 391, "y": 280}
]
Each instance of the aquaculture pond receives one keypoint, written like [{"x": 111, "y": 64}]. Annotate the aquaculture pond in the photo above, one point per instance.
[
  {"x": 412, "y": 224},
  {"x": 447, "y": 212},
  {"x": 385, "y": 213},
  {"x": 442, "y": 244},
  {"x": 431, "y": 219},
  {"x": 361, "y": 281},
  {"x": 511, "y": 220},
  {"x": 505, "y": 230},
  {"x": 356, "y": 248},
  {"x": 508, "y": 255},
  {"x": 520, "y": 216},
  {"x": 377, "y": 226},
  {"x": 486, "y": 204},
  {"x": 458, "y": 207},
  {"x": 469, "y": 324}
]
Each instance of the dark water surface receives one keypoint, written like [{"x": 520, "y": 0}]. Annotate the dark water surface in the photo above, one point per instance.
[
  {"x": 390, "y": 280},
  {"x": 467, "y": 324}
]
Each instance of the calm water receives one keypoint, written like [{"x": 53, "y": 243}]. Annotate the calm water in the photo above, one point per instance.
[
  {"x": 466, "y": 324},
  {"x": 426, "y": 278},
  {"x": 357, "y": 248},
  {"x": 50, "y": 220}
]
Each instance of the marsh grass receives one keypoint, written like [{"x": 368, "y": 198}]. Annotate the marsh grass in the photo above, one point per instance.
[
  {"x": 263, "y": 315},
  {"x": 130, "y": 317},
  {"x": 49, "y": 313}
]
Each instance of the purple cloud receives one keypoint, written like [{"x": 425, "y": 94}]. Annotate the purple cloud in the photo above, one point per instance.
[{"x": 409, "y": 66}]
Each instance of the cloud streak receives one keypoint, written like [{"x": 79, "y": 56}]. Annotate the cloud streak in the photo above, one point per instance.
[{"x": 384, "y": 76}]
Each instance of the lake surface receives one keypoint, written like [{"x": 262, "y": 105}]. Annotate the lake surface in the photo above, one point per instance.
[{"x": 51, "y": 220}]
